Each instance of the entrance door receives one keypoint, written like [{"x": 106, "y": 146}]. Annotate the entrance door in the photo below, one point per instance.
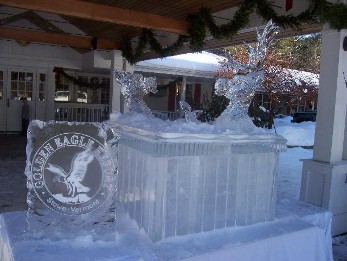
[
  {"x": 14, "y": 85},
  {"x": 21, "y": 84}
]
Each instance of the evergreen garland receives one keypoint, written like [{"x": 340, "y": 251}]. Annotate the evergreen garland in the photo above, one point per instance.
[
  {"x": 148, "y": 38},
  {"x": 204, "y": 20},
  {"x": 170, "y": 84},
  {"x": 319, "y": 11},
  {"x": 59, "y": 73}
]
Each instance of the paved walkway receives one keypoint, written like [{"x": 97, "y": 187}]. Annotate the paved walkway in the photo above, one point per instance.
[{"x": 12, "y": 179}]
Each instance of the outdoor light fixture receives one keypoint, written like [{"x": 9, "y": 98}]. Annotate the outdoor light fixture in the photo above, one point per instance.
[{"x": 345, "y": 43}]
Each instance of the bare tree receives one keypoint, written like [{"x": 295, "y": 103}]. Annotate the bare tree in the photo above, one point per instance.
[{"x": 283, "y": 88}]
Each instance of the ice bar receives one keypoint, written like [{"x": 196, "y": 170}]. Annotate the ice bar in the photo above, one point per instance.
[{"x": 174, "y": 184}]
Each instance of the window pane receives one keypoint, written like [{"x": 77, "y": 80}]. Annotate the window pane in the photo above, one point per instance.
[
  {"x": 21, "y": 86},
  {"x": 106, "y": 81},
  {"x": 29, "y": 77},
  {"x": 62, "y": 96},
  {"x": 14, "y": 75},
  {"x": 29, "y": 87},
  {"x": 1, "y": 85},
  {"x": 41, "y": 87},
  {"x": 22, "y": 76},
  {"x": 14, "y": 95},
  {"x": 94, "y": 80},
  {"x": 13, "y": 86},
  {"x": 42, "y": 77},
  {"x": 41, "y": 96}
]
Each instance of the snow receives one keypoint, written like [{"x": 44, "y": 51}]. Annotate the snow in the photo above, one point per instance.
[
  {"x": 309, "y": 78},
  {"x": 180, "y": 128},
  {"x": 340, "y": 247},
  {"x": 86, "y": 246},
  {"x": 297, "y": 134},
  {"x": 201, "y": 64},
  {"x": 203, "y": 61},
  {"x": 290, "y": 168}
]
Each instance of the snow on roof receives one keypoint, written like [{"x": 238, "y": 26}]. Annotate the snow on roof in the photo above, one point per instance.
[
  {"x": 309, "y": 78},
  {"x": 202, "y": 64}
]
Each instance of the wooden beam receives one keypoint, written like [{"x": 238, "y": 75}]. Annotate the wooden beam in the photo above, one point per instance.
[
  {"x": 84, "y": 42},
  {"x": 102, "y": 13}
]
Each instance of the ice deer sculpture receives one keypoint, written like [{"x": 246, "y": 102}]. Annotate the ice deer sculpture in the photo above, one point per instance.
[
  {"x": 189, "y": 115},
  {"x": 134, "y": 87},
  {"x": 248, "y": 77}
]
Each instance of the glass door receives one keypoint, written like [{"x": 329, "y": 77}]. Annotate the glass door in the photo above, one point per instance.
[{"x": 21, "y": 85}]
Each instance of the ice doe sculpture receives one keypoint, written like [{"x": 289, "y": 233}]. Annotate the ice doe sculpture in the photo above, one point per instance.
[
  {"x": 134, "y": 87},
  {"x": 241, "y": 88},
  {"x": 189, "y": 115}
]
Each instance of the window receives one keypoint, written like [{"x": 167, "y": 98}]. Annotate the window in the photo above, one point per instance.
[
  {"x": 62, "y": 93},
  {"x": 99, "y": 92},
  {"x": 21, "y": 85},
  {"x": 105, "y": 91},
  {"x": 1, "y": 85},
  {"x": 42, "y": 86},
  {"x": 96, "y": 90}
]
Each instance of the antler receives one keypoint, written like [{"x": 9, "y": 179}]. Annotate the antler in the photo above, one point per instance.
[
  {"x": 234, "y": 65},
  {"x": 264, "y": 41},
  {"x": 256, "y": 55}
]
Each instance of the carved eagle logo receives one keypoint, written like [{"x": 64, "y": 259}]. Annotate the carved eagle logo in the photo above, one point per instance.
[{"x": 73, "y": 180}]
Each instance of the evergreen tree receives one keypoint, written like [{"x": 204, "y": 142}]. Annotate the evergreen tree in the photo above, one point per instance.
[
  {"x": 213, "y": 108},
  {"x": 301, "y": 52}
]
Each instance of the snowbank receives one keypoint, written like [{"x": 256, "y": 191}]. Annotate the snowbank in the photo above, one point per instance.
[{"x": 297, "y": 134}]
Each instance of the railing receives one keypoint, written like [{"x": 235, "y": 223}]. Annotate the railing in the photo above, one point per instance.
[
  {"x": 81, "y": 112},
  {"x": 166, "y": 115}
]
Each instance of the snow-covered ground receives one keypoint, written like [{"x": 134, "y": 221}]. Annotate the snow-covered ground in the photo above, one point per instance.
[
  {"x": 290, "y": 167},
  {"x": 297, "y": 134}
]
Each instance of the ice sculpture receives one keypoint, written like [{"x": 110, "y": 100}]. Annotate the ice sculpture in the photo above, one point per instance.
[
  {"x": 189, "y": 115},
  {"x": 241, "y": 88},
  {"x": 178, "y": 179},
  {"x": 71, "y": 176},
  {"x": 134, "y": 87}
]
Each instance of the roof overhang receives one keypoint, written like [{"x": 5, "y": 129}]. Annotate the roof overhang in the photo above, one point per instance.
[{"x": 103, "y": 25}]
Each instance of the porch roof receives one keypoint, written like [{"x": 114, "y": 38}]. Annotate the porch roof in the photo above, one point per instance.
[{"x": 103, "y": 24}]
